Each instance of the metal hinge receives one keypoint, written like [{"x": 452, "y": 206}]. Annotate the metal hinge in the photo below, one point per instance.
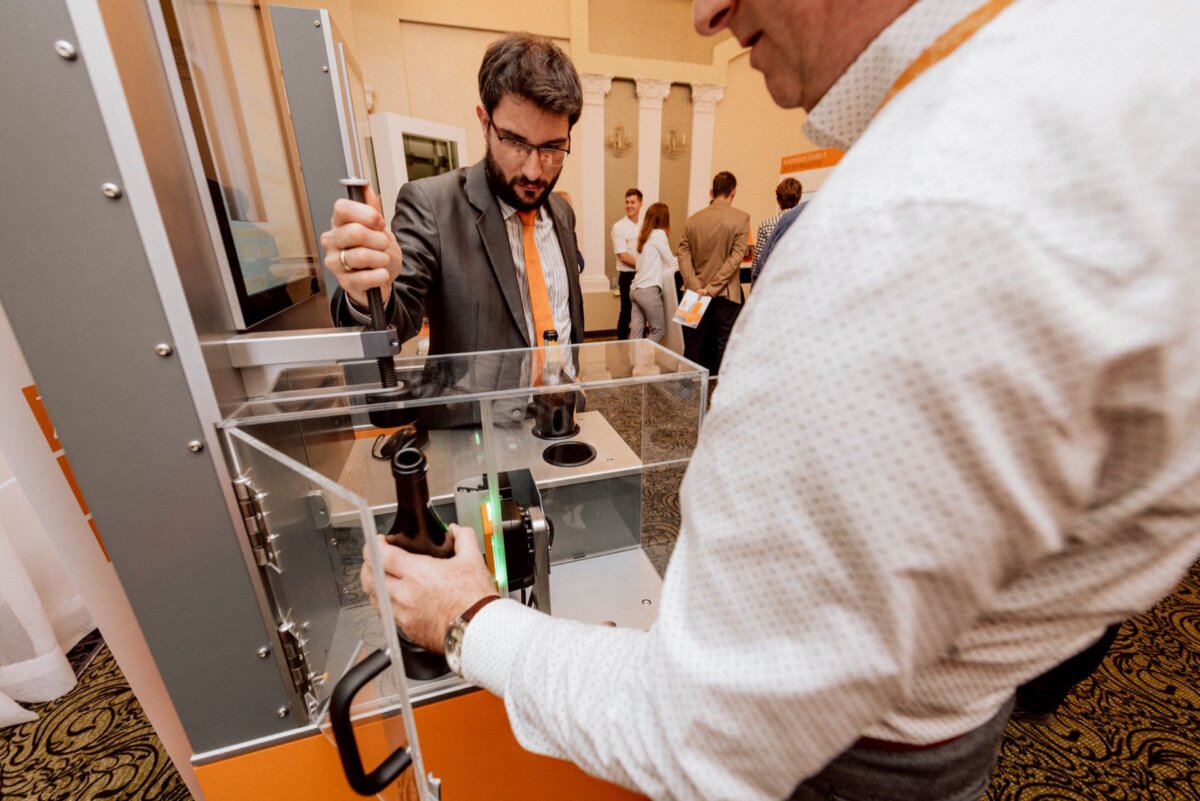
[
  {"x": 262, "y": 542},
  {"x": 297, "y": 663}
]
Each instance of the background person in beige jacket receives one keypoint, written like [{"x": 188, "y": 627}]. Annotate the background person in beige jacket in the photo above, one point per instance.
[{"x": 710, "y": 259}]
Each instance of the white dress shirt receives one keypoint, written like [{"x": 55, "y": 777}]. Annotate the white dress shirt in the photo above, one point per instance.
[
  {"x": 624, "y": 240},
  {"x": 655, "y": 259},
  {"x": 956, "y": 436}
]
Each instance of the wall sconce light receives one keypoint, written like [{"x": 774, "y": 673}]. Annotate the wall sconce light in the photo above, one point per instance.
[
  {"x": 675, "y": 144},
  {"x": 619, "y": 141}
]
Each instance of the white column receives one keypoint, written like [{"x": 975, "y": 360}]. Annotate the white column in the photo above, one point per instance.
[
  {"x": 590, "y": 146},
  {"x": 651, "y": 94},
  {"x": 704, "y": 117}
]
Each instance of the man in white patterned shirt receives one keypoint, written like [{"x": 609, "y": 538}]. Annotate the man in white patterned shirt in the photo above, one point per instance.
[{"x": 957, "y": 436}]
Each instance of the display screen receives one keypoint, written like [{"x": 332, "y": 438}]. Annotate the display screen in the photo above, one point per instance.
[{"x": 426, "y": 156}]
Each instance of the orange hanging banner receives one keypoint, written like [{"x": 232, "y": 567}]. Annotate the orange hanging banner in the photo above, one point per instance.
[{"x": 810, "y": 160}]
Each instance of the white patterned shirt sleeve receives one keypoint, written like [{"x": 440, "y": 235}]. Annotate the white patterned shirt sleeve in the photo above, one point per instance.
[{"x": 956, "y": 437}]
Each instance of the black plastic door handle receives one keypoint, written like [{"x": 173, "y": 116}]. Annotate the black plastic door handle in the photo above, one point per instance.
[{"x": 340, "y": 701}]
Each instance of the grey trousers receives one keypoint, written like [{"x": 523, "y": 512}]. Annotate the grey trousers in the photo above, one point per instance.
[
  {"x": 957, "y": 771},
  {"x": 649, "y": 315}
]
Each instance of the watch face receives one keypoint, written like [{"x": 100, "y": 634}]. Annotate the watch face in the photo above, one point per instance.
[{"x": 454, "y": 637}]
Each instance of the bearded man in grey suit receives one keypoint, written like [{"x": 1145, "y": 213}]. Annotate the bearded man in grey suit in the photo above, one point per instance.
[{"x": 456, "y": 251}]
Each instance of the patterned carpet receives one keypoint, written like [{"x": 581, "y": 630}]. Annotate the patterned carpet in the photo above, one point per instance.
[
  {"x": 93, "y": 743},
  {"x": 1130, "y": 733}
]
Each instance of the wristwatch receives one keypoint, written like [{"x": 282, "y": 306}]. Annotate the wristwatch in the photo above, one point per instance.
[{"x": 458, "y": 630}]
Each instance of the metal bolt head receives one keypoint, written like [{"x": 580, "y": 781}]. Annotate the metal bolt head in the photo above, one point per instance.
[
  {"x": 65, "y": 49},
  {"x": 647, "y": 602},
  {"x": 283, "y": 711},
  {"x": 263, "y": 652},
  {"x": 163, "y": 349},
  {"x": 324, "y": 69},
  {"x": 111, "y": 190},
  {"x": 316, "y": 23},
  {"x": 195, "y": 446}
]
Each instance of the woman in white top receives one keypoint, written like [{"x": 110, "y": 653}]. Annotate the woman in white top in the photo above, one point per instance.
[{"x": 654, "y": 255}]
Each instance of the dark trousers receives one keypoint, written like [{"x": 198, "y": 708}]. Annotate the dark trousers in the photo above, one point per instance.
[
  {"x": 1044, "y": 694},
  {"x": 705, "y": 344},
  {"x": 623, "y": 282},
  {"x": 955, "y": 771}
]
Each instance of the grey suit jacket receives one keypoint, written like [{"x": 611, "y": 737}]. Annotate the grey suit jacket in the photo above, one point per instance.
[{"x": 458, "y": 267}]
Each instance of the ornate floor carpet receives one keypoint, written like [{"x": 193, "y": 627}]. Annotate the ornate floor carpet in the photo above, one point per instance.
[{"x": 93, "y": 743}]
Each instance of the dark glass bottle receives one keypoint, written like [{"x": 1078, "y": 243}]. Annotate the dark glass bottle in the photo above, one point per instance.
[
  {"x": 416, "y": 528},
  {"x": 554, "y": 411}
]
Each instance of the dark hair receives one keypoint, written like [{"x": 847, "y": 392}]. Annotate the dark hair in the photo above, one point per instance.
[
  {"x": 533, "y": 68},
  {"x": 657, "y": 216},
  {"x": 788, "y": 193},
  {"x": 723, "y": 184},
  {"x": 634, "y": 191}
]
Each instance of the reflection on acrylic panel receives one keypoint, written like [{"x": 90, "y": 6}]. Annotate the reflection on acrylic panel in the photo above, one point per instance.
[{"x": 232, "y": 97}]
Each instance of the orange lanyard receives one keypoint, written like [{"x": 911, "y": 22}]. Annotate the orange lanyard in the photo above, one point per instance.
[{"x": 946, "y": 44}]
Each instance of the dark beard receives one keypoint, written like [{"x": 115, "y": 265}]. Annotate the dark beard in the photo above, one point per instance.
[{"x": 505, "y": 190}]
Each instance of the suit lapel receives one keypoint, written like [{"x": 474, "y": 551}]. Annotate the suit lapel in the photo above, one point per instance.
[
  {"x": 495, "y": 241},
  {"x": 563, "y": 231}
]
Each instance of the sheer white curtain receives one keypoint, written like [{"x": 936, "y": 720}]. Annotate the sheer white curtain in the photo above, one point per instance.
[{"x": 41, "y": 615}]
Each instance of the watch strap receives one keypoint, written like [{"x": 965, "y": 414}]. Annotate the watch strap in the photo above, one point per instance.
[{"x": 475, "y": 607}]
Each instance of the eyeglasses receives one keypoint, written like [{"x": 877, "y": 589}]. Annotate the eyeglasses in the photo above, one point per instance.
[{"x": 519, "y": 150}]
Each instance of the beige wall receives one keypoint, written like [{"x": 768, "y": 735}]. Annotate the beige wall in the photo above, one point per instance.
[
  {"x": 673, "y": 189},
  {"x": 659, "y": 29},
  {"x": 752, "y": 136},
  {"x": 620, "y": 174}
]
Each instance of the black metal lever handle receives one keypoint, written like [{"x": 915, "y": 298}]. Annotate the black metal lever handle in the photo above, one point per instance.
[
  {"x": 356, "y": 189},
  {"x": 340, "y": 700}
]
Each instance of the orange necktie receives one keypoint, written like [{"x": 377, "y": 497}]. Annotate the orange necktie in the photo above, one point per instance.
[{"x": 539, "y": 296}]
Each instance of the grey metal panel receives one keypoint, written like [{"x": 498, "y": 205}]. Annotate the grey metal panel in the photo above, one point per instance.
[
  {"x": 305, "y": 587},
  {"x": 82, "y": 297},
  {"x": 305, "y": 57}
]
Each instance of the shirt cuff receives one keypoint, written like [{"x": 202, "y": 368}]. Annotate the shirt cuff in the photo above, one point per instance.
[
  {"x": 493, "y": 641},
  {"x": 357, "y": 316}
]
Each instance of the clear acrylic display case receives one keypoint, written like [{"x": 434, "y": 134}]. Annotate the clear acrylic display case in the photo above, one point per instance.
[{"x": 497, "y": 448}]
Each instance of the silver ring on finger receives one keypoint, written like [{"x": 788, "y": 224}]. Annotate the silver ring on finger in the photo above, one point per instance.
[{"x": 342, "y": 259}]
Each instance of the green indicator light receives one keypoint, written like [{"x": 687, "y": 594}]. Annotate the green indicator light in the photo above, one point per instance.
[
  {"x": 498, "y": 558},
  {"x": 476, "y": 437},
  {"x": 437, "y": 516}
]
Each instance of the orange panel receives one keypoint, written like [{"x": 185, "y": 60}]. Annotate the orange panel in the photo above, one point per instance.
[
  {"x": 811, "y": 160},
  {"x": 466, "y": 741},
  {"x": 304, "y": 770},
  {"x": 39, "y": 413},
  {"x": 99, "y": 539},
  {"x": 469, "y": 745},
  {"x": 70, "y": 476},
  {"x": 373, "y": 433}
]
